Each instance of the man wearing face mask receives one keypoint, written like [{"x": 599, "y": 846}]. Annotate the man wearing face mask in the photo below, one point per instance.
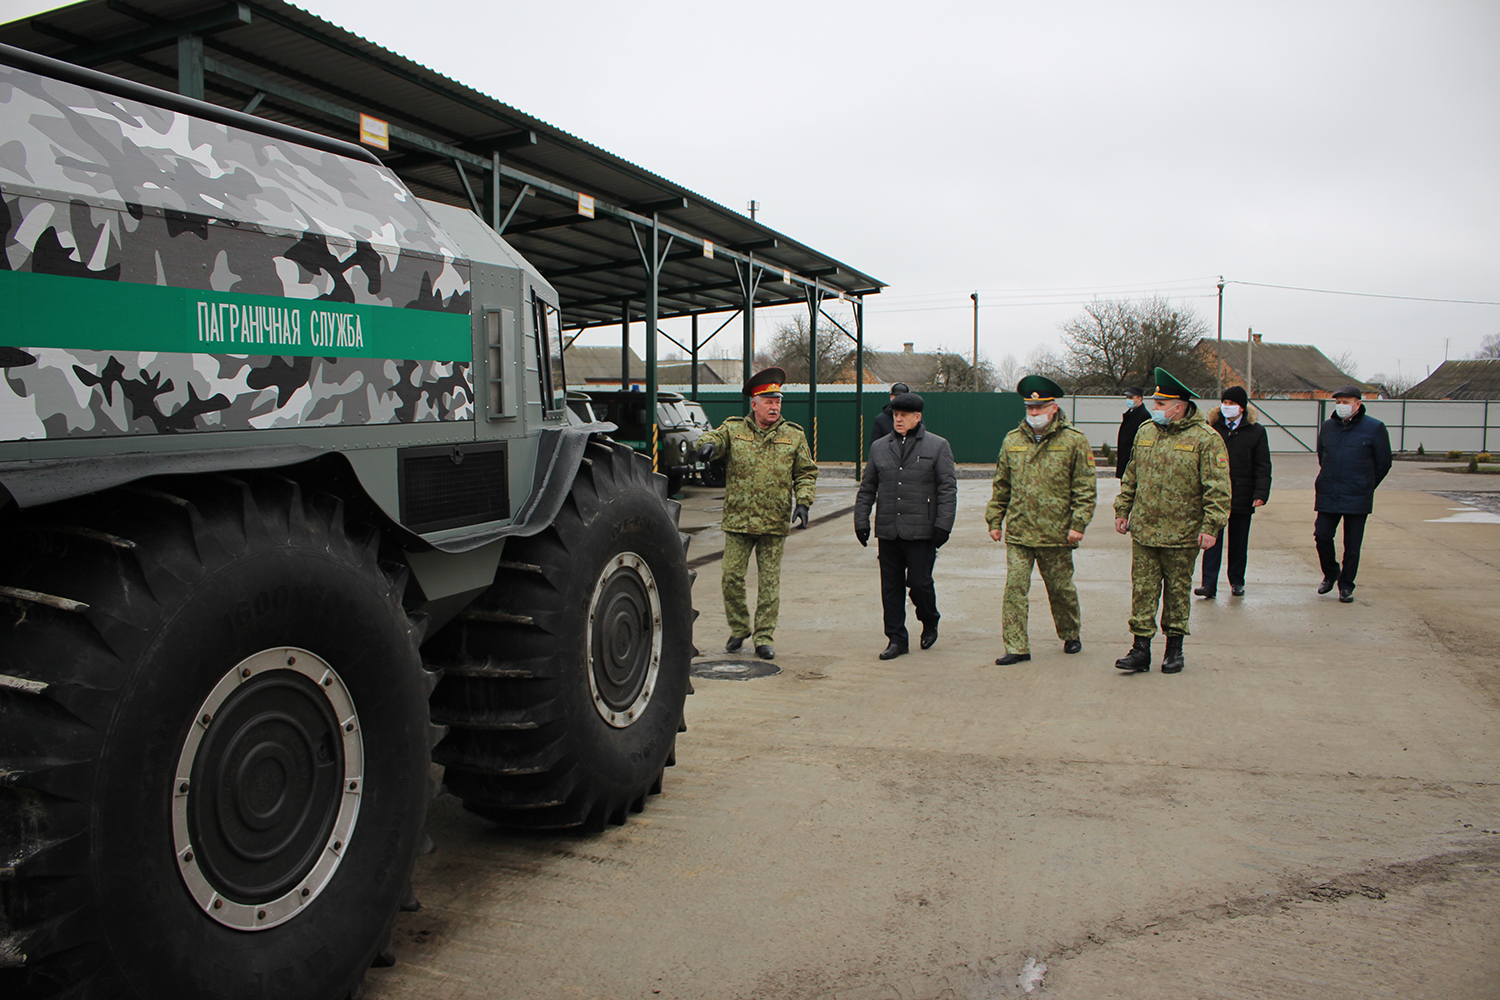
[
  {"x": 1046, "y": 489},
  {"x": 769, "y": 469},
  {"x": 1135, "y": 415},
  {"x": 1250, "y": 476},
  {"x": 912, "y": 483},
  {"x": 1354, "y": 455},
  {"x": 1174, "y": 501}
]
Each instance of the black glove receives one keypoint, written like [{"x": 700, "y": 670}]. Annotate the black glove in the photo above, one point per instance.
[
  {"x": 940, "y": 537},
  {"x": 800, "y": 514},
  {"x": 705, "y": 452},
  {"x": 863, "y": 534}
]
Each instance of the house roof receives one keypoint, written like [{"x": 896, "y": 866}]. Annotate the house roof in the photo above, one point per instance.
[
  {"x": 599, "y": 364},
  {"x": 1281, "y": 367},
  {"x": 1478, "y": 379},
  {"x": 453, "y": 144},
  {"x": 899, "y": 366}
]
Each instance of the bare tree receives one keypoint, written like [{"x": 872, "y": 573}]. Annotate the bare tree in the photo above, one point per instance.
[
  {"x": 1121, "y": 342},
  {"x": 1346, "y": 363},
  {"x": 1396, "y": 386},
  {"x": 1007, "y": 372},
  {"x": 1489, "y": 347},
  {"x": 789, "y": 349},
  {"x": 954, "y": 372}
]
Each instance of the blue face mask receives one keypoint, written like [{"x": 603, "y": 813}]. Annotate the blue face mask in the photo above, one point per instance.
[{"x": 1160, "y": 416}]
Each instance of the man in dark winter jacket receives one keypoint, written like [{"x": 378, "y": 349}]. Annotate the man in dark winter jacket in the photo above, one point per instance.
[
  {"x": 883, "y": 420},
  {"x": 1250, "y": 486},
  {"x": 1135, "y": 415},
  {"x": 1354, "y": 455},
  {"x": 911, "y": 482}
]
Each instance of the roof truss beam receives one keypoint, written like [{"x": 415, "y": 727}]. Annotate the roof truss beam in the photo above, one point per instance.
[{"x": 155, "y": 36}]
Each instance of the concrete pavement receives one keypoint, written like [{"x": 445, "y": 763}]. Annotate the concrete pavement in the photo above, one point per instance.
[{"x": 1312, "y": 807}]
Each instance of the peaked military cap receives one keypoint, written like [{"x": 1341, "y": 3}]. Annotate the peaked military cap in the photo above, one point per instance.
[
  {"x": 1038, "y": 389},
  {"x": 1168, "y": 387},
  {"x": 766, "y": 383}
]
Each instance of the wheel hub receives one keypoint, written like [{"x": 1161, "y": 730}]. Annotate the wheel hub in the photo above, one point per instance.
[
  {"x": 624, "y": 639},
  {"x": 267, "y": 789}
]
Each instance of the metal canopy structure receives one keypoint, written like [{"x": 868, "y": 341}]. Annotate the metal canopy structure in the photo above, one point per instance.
[
  {"x": 619, "y": 243},
  {"x": 454, "y": 144}
]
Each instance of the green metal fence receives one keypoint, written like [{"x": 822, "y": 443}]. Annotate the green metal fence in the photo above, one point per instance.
[{"x": 973, "y": 423}]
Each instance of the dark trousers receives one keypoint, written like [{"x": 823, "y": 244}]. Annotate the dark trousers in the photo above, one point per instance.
[
  {"x": 1239, "y": 544},
  {"x": 906, "y": 565},
  {"x": 1354, "y": 536}
]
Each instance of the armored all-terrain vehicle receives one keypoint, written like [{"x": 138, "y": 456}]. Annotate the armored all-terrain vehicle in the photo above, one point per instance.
[{"x": 290, "y": 508}]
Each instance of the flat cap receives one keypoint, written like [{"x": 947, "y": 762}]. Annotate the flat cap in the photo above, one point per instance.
[
  {"x": 1349, "y": 390},
  {"x": 1134, "y": 390},
  {"x": 908, "y": 402}
]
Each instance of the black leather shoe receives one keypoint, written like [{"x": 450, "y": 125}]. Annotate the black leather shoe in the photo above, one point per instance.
[
  {"x": 1326, "y": 585},
  {"x": 894, "y": 650},
  {"x": 1172, "y": 662},
  {"x": 929, "y": 636},
  {"x": 1205, "y": 592},
  {"x": 766, "y": 652},
  {"x": 1073, "y": 646},
  {"x": 1010, "y": 658},
  {"x": 1138, "y": 660},
  {"x": 734, "y": 643},
  {"x": 1346, "y": 595},
  {"x": 1237, "y": 591}
]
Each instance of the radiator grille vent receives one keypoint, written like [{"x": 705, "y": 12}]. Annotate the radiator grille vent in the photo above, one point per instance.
[{"x": 448, "y": 487}]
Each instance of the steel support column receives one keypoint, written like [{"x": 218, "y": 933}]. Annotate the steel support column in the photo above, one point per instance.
[
  {"x": 695, "y": 356},
  {"x": 749, "y": 276},
  {"x": 190, "y": 66},
  {"x": 814, "y": 306},
  {"x": 859, "y": 383},
  {"x": 624, "y": 344},
  {"x": 652, "y": 256}
]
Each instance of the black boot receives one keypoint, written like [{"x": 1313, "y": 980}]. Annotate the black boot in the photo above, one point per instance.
[
  {"x": 1138, "y": 660},
  {"x": 1172, "y": 663}
]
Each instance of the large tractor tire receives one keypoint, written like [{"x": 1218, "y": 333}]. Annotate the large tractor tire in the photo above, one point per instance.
[
  {"x": 214, "y": 736},
  {"x": 563, "y": 685}
]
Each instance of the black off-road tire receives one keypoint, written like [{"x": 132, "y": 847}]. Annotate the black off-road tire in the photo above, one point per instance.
[
  {"x": 547, "y": 725},
  {"x": 127, "y": 617}
]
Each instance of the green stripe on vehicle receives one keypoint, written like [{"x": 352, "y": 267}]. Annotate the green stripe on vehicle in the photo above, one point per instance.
[{"x": 48, "y": 310}]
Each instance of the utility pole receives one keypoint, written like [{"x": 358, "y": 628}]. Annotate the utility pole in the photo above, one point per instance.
[
  {"x": 1250, "y": 362},
  {"x": 1219, "y": 356},
  {"x": 975, "y": 297}
]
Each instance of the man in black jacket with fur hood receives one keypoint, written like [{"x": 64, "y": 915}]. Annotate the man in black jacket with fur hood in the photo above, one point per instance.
[
  {"x": 1250, "y": 486},
  {"x": 911, "y": 481}
]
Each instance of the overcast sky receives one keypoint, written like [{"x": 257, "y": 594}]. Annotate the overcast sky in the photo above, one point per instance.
[{"x": 1044, "y": 153}]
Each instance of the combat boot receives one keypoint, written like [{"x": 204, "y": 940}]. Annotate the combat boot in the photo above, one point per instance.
[
  {"x": 1138, "y": 660},
  {"x": 1171, "y": 663}
]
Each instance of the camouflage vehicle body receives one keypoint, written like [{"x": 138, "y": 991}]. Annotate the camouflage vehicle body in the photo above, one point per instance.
[{"x": 267, "y": 331}]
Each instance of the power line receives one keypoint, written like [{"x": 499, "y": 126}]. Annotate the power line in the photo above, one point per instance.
[{"x": 1367, "y": 295}]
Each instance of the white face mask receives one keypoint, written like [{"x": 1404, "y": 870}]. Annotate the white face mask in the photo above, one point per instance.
[
  {"x": 1039, "y": 420},
  {"x": 1230, "y": 411},
  {"x": 1343, "y": 410}
]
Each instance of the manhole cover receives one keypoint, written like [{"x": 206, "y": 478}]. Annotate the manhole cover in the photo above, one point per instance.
[{"x": 734, "y": 670}]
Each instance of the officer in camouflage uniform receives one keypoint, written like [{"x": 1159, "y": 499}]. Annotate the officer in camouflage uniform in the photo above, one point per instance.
[
  {"x": 769, "y": 468},
  {"x": 1045, "y": 483},
  {"x": 1174, "y": 501}
]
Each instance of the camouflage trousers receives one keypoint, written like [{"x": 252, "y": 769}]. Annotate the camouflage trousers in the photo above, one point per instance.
[
  {"x": 1164, "y": 575},
  {"x": 1056, "y": 565},
  {"x": 767, "y": 549}
]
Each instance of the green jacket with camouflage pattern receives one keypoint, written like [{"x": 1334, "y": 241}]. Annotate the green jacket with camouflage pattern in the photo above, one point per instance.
[
  {"x": 768, "y": 470},
  {"x": 1043, "y": 488},
  {"x": 1176, "y": 486}
]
